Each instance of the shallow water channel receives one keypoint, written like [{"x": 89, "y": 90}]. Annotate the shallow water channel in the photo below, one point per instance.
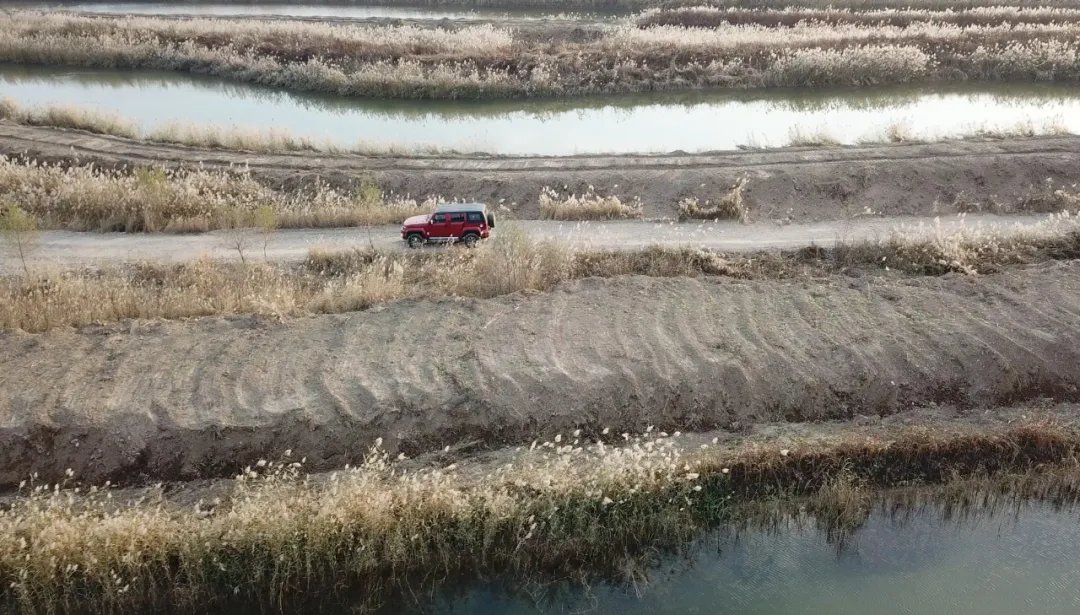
[
  {"x": 1018, "y": 561},
  {"x": 654, "y": 122}
]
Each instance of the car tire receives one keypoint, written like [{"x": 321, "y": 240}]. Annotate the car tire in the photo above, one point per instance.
[
  {"x": 470, "y": 240},
  {"x": 415, "y": 240}
]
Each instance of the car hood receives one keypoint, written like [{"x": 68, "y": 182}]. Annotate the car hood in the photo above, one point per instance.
[{"x": 414, "y": 220}]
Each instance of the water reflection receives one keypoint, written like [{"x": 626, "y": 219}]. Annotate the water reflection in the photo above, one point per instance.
[
  {"x": 1017, "y": 560},
  {"x": 689, "y": 121}
]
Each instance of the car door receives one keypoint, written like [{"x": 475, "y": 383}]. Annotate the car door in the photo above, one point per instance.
[
  {"x": 439, "y": 226},
  {"x": 457, "y": 224}
]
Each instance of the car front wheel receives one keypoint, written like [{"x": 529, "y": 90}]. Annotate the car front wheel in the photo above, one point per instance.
[{"x": 415, "y": 241}]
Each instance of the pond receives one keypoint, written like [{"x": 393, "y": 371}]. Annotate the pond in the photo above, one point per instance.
[{"x": 653, "y": 122}]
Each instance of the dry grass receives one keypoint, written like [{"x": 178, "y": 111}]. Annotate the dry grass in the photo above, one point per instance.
[
  {"x": 904, "y": 133},
  {"x": 1048, "y": 197},
  {"x": 331, "y": 282},
  {"x": 68, "y": 117},
  {"x": 905, "y": 15},
  {"x": 586, "y": 206},
  {"x": 799, "y": 137},
  {"x": 731, "y": 206},
  {"x": 490, "y": 62},
  {"x": 155, "y": 199},
  {"x": 560, "y": 507},
  {"x": 932, "y": 250},
  {"x": 326, "y": 283}
]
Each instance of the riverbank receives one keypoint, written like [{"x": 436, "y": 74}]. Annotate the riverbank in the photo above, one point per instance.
[{"x": 555, "y": 510}]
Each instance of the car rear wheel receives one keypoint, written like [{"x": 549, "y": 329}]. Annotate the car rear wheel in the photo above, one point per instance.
[
  {"x": 470, "y": 240},
  {"x": 415, "y": 240}
]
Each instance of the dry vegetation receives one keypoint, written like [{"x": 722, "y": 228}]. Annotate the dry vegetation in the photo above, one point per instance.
[
  {"x": 735, "y": 48},
  {"x": 511, "y": 262},
  {"x": 730, "y": 206},
  {"x": 905, "y": 14},
  {"x": 572, "y": 206},
  {"x": 68, "y": 117},
  {"x": 155, "y": 199},
  {"x": 586, "y": 206},
  {"x": 196, "y": 135},
  {"x": 903, "y": 133},
  {"x": 561, "y": 507}
]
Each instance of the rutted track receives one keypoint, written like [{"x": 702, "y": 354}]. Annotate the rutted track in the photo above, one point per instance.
[
  {"x": 796, "y": 183},
  {"x": 188, "y": 399}
]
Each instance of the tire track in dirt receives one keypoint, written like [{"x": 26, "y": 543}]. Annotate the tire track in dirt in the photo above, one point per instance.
[{"x": 204, "y": 397}]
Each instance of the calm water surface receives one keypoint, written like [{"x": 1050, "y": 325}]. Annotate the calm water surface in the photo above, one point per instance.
[
  {"x": 1018, "y": 563},
  {"x": 655, "y": 122}
]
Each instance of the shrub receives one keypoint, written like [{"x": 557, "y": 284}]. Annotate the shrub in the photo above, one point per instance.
[
  {"x": 1047, "y": 197},
  {"x": 731, "y": 206},
  {"x": 17, "y": 228}
]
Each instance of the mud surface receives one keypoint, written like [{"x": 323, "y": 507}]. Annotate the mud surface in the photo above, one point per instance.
[
  {"x": 799, "y": 184},
  {"x": 180, "y": 400}
]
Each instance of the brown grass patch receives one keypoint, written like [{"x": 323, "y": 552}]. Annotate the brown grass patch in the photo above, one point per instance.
[
  {"x": 586, "y": 206},
  {"x": 731, "y": 206},
  {"x": 158, "y": 199}
]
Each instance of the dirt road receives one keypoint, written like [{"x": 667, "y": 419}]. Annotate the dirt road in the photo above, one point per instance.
[
  {"x": 800, "y": 184},
  {"x": 73, "y": 249},
  {"x": 185, "y": 399},
  {"x": 169, "y": 399}
]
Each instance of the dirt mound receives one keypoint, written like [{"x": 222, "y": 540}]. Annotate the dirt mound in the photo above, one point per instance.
[
  {"x": 802, "y": 184},
  {"x": 200, "y": 398}
]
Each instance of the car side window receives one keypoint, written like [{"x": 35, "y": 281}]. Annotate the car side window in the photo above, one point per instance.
[
  {"x": 438, "y": 218},
  {"x": 457, "y": 217},
  {"x": 475, "y": 216}
]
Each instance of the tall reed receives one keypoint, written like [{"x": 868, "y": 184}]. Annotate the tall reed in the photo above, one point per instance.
[
  {"x": 491, "y": 62},
  {"x": 281, "y": 538}
]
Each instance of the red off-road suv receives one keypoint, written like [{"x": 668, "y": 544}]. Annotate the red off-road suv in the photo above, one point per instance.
[{"x": 467, "y": 223}]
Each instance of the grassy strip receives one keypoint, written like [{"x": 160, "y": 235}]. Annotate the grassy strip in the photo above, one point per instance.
[
  {"x": 96, "y": 122},
  {"x": 195, "y": 135},
  {"x": 160, "y": 199},
  {"x": 562, "y": 508},
  {"x": 490, "y": 62},
  {"x": 706, "y": 16},
  {"x": 903, "y": 133},
  {"x": 356, "y": 280},
  {"x": 156, "y": 199}
]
